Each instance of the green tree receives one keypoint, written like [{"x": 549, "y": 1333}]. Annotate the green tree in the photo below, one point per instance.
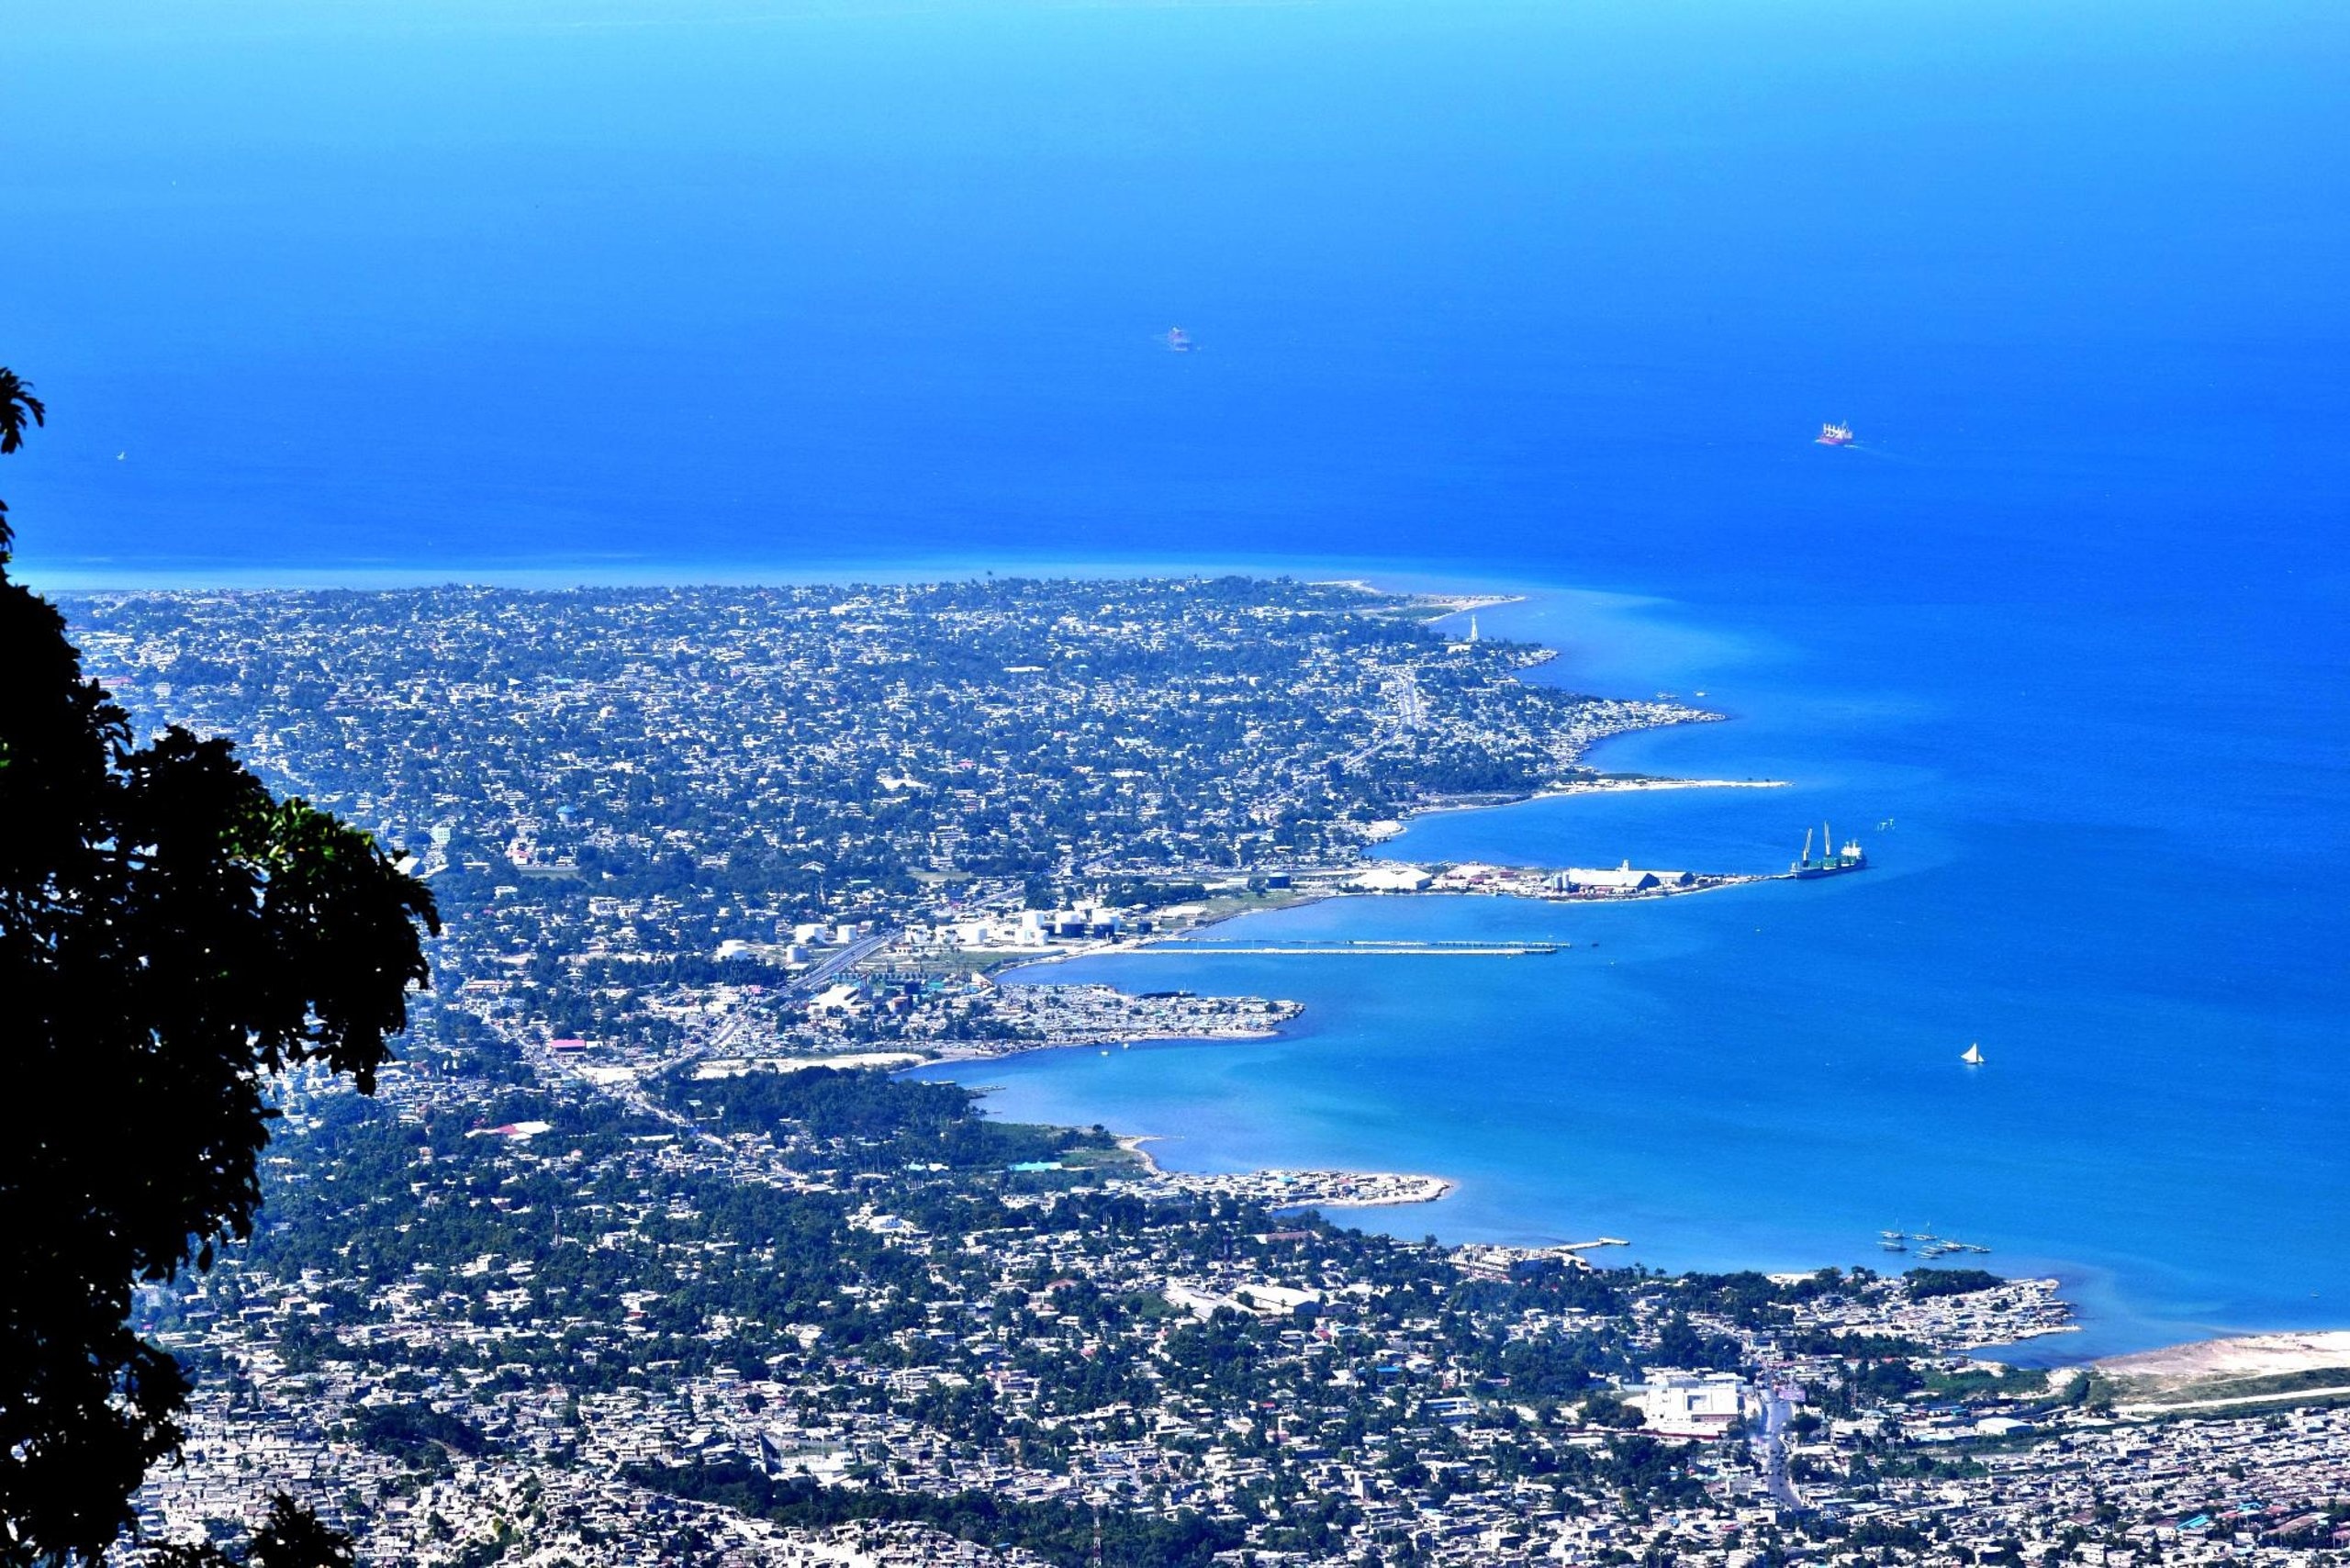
[{"x": 171, "y": 938}]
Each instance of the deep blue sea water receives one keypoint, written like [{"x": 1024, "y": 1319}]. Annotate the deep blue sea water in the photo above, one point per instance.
[{"x": 1534, "y": 294}]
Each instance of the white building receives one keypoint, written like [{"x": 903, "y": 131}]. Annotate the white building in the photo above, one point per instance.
[
  {"x": 842, "y": 999},
  {"x": 1624, "y": 879},
  {"x": 1689, "y": 1405}
]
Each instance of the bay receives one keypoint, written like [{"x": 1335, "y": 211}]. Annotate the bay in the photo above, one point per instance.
[
  {"x": 1551, "y": 298},
  {"x": 1768, "y": 1075}
]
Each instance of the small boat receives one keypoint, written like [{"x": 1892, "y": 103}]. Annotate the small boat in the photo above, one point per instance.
[
  {"x": 1834, "y": 434},
  {"x": 1974, "y": 1057},
  {"x": 1178, "y": 341},
  {"x": 1893, "y": 1246}
]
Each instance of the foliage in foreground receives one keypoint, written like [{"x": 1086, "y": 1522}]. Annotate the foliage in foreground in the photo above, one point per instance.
[{"x": 171, "y": 938}]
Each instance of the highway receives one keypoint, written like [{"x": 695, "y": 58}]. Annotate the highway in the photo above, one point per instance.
[{"x": 821, "y": 974}]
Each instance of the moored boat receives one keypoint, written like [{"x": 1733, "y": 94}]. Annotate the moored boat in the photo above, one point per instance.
[{"x": 1831, "y": 861}]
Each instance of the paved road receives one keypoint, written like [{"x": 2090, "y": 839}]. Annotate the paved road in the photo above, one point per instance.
[
  {"x": 821, "y": 974},
  {"x": 1778, "y": 1409}
]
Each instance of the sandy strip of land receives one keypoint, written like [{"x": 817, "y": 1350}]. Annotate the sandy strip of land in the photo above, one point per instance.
[
  {"x": 2250, "y": 1355},
  {"x": 1602, "y": 786},
  {"x": 2292, "y": 1397}
]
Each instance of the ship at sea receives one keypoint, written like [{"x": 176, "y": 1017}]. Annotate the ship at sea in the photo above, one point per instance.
[
  {"x": 1831, "y": 861},
  {"x": 1178, "y": 341},
  {"x": 1833, "y": 434}
]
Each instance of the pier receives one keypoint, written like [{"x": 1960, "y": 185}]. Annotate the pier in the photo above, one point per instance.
[{"x": 1354, "y": 949}]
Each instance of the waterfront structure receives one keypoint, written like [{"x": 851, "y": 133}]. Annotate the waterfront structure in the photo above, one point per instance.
[{"x": 1623, "y": 879}]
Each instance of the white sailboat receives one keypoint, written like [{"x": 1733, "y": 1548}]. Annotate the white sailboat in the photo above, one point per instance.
[{"x": 1974, "y": 1057}]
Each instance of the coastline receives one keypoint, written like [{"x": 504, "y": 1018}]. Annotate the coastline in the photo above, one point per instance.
[
  {"x": 1598, "y": 785},
  {"x": 2274, "y": 1354},
  {"x": 964, "y": 1051},
  {"x": 1327, "y": 1189},
  {"x": 1434, "y": 1188},
  {"x": 2108, "y": 1324},
  {"x": 1633, "y": 782},
  {"x": 1421, "y": 1188},
  {"x": 1619, "y": 784}
]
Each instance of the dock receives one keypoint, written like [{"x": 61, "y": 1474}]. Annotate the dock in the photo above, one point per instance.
[{"x": 1353, "y": 949}]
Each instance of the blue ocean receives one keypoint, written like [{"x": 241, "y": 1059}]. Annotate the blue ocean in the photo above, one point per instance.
[{"x": 1545, "y": 298}]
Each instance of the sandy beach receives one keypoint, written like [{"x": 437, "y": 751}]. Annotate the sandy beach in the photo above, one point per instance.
[{"x": 2251, "y": 1355}]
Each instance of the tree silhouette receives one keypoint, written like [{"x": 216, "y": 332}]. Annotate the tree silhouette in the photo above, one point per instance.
[
  {"x": 171, "y": 938},
  {"x": 18, "y": 405},
  {"x": 291, "y": 1536}
]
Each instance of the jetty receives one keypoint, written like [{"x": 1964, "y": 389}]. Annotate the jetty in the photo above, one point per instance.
[{"x": 1363, "y": 949}]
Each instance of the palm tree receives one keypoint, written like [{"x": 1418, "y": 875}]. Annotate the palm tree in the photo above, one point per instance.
[{"x": 16, "y": 405}]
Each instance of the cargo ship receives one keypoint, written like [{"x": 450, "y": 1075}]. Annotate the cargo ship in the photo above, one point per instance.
[
  {"x": 1835, "y": 435},
  {"x": 1832, "y": 861}
]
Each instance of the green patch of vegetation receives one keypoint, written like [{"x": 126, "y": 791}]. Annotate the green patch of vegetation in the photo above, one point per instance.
[
  {"x": 897, "y": 1122},
  {"x": 418, "y": 1436},
  {"x": 1927, "y": 1283},
  {"x": 1981, "y": 1384}
]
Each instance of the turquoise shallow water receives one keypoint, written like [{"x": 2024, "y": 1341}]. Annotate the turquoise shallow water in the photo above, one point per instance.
[{"x": 1769, "y": 1075}]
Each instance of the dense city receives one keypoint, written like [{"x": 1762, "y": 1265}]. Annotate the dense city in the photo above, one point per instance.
[
  {"x": 830, "y": 812},
  {"x": 644, "y": 1253}
]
